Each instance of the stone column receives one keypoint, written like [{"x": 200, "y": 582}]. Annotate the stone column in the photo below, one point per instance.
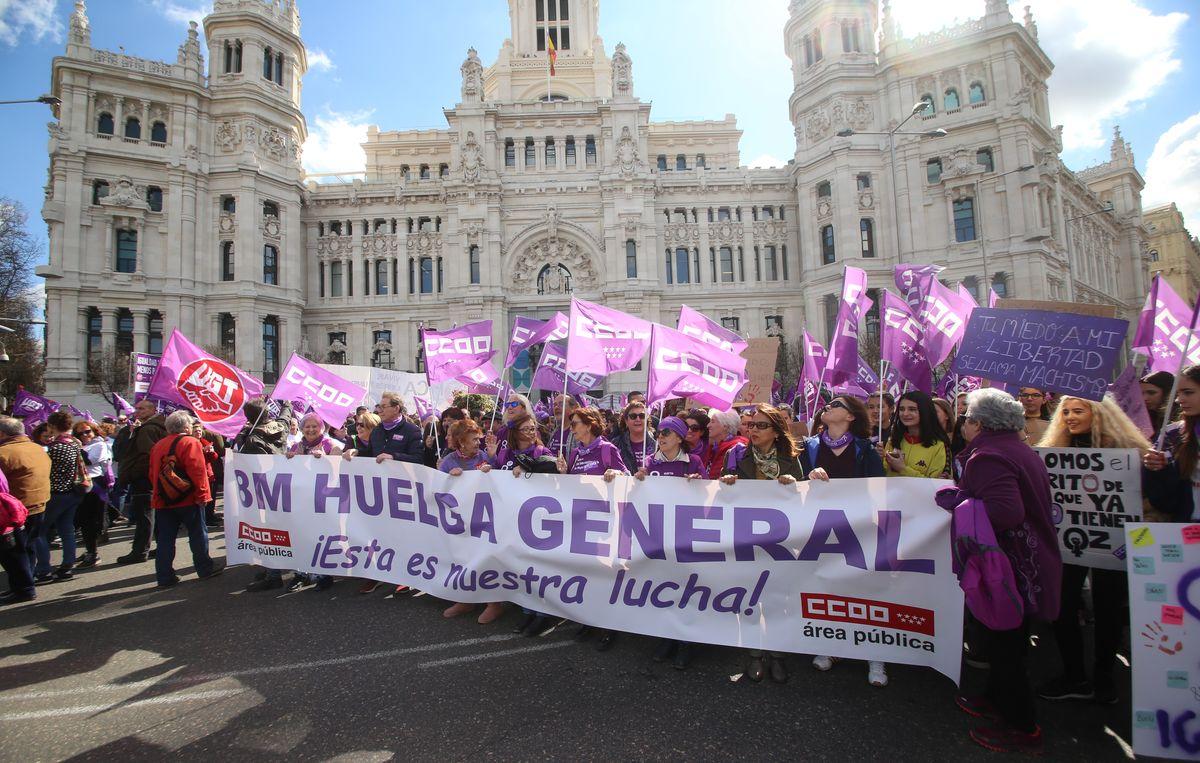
[{"x": 141, "y": 329}]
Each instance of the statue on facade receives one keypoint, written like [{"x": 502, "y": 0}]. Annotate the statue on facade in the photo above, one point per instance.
[
  {"x": 622, "y": 72},
  {"x": 551, "y": 218},
  {"x": 472, "y": 78},
  {"x": 471, "y": 158},
  {"x": 81, "y": 29},
  {"x": 627, "y": 156}
]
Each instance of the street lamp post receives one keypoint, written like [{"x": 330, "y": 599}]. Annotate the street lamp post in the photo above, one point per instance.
[{"x": 49, "y": 100}]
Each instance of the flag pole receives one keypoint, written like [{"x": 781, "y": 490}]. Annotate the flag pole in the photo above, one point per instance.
[
  {"x": 881, "y": 391},
  {"x": 562, "y": 439},
  {"x": 499, "y": 389}
]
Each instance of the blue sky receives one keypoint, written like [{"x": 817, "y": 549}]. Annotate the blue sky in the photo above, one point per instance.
[{"x": 395, "y": 64}]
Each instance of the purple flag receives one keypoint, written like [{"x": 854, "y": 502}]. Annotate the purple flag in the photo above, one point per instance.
[
  {"x": 310, "y": 386},
  {"x": 552, "y": 369},
  {"x": 808, "y": 385},
  {"x": 121, "y": 405},
  {"x": 993, "y": 297},
  {"x": 913, "y": 282},
  {"x": 967, "y": 296},
  {"x": 849, "y": 389},
  {"x": 452, "y": 353},
  {"x": 1128, "y": 394},
  {"x": 699, "y": 326},
  {"x": 902, "y": 342},
  {"x": 213, "y": 389},
  {"x": 603, "y": 340},
  {"x": 944, "y": 315},
  {"x": 1162, "y": 329},
  {"x": 867, "y": 379},
  {"x": 28, "y": 404},
  {"x": 528, "y": 331},
  {"x": 683, "y": 366},
  {"x": 482, "y": 380},
  {"x": 423, "y": 407},
  {"x": 842, "y": 363},
  {"x": 891, "y": 382}
]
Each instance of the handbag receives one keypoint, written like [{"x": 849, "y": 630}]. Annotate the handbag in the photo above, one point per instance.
[
  {"x": 83, "y": 483},
  {"x": 173, "y": 486}
]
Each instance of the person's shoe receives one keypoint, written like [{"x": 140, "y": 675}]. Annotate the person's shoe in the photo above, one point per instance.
[
  {"x": 525, "y": 622},
  {"x": 490, "y": 613},
  {"x": 755, "y": 670},
  {"x": 822, "y": 663},
  {"x": 131, "y": 558},
  {"x": 583, "y": 633},
  {"x": 368, "y": 586},
  {"x": 87, "y": 560},
  {"x": 977, "y": 706},
  {"x": 174, "y": 581},
  {"x": 151, "y": 552},
  {"x": 266, "y": 584},
  {"x": 877, "y": 674},
  {"x": 16, "y": 597},
  {"x": 606, "y": 641},
  {"x": 1105, "y": 693},
  {"x": 683, "y": 656},
  {"x": 401, "y": 590},
  {"x": 297, "y": 582},
  {"x": 1005, "y": 739},
  {"x": 1062, "y": 688},
  {"x": 778, "y": 670},
  {"x": 539, "y": 626},
  {"x": 666, "y": 650},
  {"x": 454, "y": 610},
  {"x": 62, "y": 575},
  {"x": 324, "y": 583},
  {"x": 43, "y": 579},
  {"x": 217, "y": 569}
]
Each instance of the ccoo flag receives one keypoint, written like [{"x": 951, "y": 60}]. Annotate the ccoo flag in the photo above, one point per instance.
[
  {"x": 683, "y": 366},
  {"x": 843, "y": 348},
  {"x": 808, "y": 386},
  {"x": 603, "y": 340},
  {"x": 552, "y": 373},
  {"x": 902, "y": 341},
  {"x": 699, "y": 326},
  {"x": 311, "y": 387},
  {"x": 213, "y": 389},
  {"x": 452, "y": 353},
  {"x": 1162, "y": 330}
]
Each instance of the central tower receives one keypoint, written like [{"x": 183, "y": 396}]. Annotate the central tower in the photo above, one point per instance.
[{"x": 581, "y": 71}]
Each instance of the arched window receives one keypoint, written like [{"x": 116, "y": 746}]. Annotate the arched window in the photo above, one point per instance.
[
  {"x": 662, "y": 163},
  {"x": 983, "y": 157},
  {"x": 126, "y": 251},
  {"x": 268, "y": 63},
  {"x": 124, "y": 344},
  {"x": 158, "y": 132},
  {"x": 336, "y": 286},
  {"x": 551, "y": 152},
  {"x": 726, "y": 275},
  {"x": 971, "y": 284},
  {"x": 154, "y": 332},
  {"x": 270, "y": 209},
  {"x": 554, "y": 279},
  {"x": 473, "y": 263},
  {"x": 630, "y": 258},
  {"x": 227, "y": 328},
  {"x": 154, "y": 198},
  {"x": 226, "y": 260},
  {"x": 99, "y": 190},
  {"x": 680, "y": 162},
  {"x": 975, "y": 93},
  {"x": 270, "y": 345},
  {"x": 270, "y": 265},
  {"x": 530, "y": 153},
  {"x": 133, "y": 128},
  {"x": 426, "y": 275},
  {"x": 682, "y": 273},
  {"x": 951, "y": 99},
  {"x": 570, "y": 152},
  {"x": 424, "y": 175},
  {"x": 933, "y": 171},
  {"x": 381, "y": 276},
  {"x": 930, "y": 108},
  {"x": 828, "y": 252},
  {"x": 104, "y": 123},
  {"x": 278, "y": 68},
  {"x": 1000, "y": 285},
  {"x": 229, "y": 204},
  {"x": 589, "y": 151},
  {"x": 510, "y": 153},
  {"x": 443, "y": 171},
  {"x": 866, "y": 232},
  {"x": 95, "y": 324}
]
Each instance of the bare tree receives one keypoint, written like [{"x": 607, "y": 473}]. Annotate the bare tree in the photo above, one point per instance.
[
  {"x": 108, "y": 371},
  {"x": 19, "y": 253}
]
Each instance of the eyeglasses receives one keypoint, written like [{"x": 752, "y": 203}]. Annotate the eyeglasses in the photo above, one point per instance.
[
  {"x": 836, "y": 404},
  {"x": 663, "y": 433},
  {"x": 760, "y": 425},
  {"x": 695, "y": 428},
  {"x": 527, "y": 429},
  {"x": 638, "y": 416},
  {"x": 513, "y": 403},
  {"x": 1030, "y": 395}
]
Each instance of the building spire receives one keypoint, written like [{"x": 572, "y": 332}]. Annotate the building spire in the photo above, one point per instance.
[
  {"x": 1120, "y": 151},
  {"x": 996, "y": 13},
  {"x": 1030, "y": 24},
  {"x": 81, "y": 29}
]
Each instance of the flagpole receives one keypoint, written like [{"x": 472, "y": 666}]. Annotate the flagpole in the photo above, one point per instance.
[
  {"x": 881, "y": 390},
  {"x": 496, "y": 405},
  {"x": 562, "y": 439}
]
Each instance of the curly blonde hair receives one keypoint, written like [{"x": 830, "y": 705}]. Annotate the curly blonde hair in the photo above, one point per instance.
[{"x": 1111, "y": 428}]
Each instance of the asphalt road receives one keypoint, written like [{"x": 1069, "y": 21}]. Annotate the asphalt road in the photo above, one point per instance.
[{"x": 106, "y": 667}]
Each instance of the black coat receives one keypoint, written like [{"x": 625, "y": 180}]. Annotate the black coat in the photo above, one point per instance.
[
  {"x": 403, "y": 443},
  {"x": 745, "y": 469}
]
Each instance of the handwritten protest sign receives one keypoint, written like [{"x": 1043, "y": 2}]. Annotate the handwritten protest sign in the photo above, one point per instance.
[
  {"x": 1095, "y": 492},
  {"x": 1164, "y": 611},
  {"x": 760, "y": 371},
  {"x": 1062, "y": 352},
  {"x": 142, "y": 367}
]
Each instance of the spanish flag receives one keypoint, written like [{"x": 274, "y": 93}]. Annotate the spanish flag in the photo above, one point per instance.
[{"x": 551, "y": 53}]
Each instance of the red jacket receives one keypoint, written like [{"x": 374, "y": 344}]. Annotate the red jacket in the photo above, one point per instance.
[
  {"x": 717, "y": 453},
  {"x": 189, "y": 459}
]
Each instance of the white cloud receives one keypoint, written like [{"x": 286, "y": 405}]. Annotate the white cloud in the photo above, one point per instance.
[
  {"x": 318, "y": 60},
  {"x": 334, "y": 142},
  {"x": 767, "y": 160},
  {"x": 182, "y": 13},
  {"x": 1173, "y": 171},
  {"x": 33, "y": 19}
]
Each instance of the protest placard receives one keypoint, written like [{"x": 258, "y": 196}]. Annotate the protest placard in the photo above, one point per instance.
[
  {"x": 141, "y": 370},
  {"x": 760, "y": 371},
  {"x": 1094, "y": 493},
  {"x": 1063, "y": 352},
  {"x": 1164, "y": 620},
  {"x": 1079, "y": 308}
]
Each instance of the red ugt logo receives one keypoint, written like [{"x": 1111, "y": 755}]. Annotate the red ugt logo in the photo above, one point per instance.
[{"x": 212, "y": 389}]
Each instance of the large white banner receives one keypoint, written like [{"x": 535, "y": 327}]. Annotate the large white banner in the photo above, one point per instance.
[
  {"x": 408, "y": 385},
  {"x": 1164, "y": 628},
  {"x": 849, "y": 568},
  {"x": 1095, "y": 492}
]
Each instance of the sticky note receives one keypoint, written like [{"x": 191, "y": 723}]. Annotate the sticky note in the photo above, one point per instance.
[
  {"x": 1143, "y": 565},
  {"x": 1172, "y": 615},
  {"x": 1172, "y": 552},
  {"x": 1191, "y": 534},
  {"x": 1142, "y": 537},
  {"x": 1156, "y": 592},
  {"x": 1144, "y": 719},
  {"x": 1177, "y": 679}
]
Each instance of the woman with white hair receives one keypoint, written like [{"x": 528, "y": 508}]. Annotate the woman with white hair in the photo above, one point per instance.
[
  {"x": 1011, "y": 481},
  {"x": 723, "y": 436},
  {"x": 314, "y": 441}
]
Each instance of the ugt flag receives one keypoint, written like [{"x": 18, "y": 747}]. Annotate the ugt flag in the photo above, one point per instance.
[
  {"x": 552, "y": 373},
  {"x": 843, "y": 348},
  {"x": 213, "y": 389},
  {"x": 452, "y": 353},
  {"x": 312, "y": 387},
  {"x": 699, "y": 326},
  {"x": 603, "y": 340},
  {"x": 33, "y": 409},
  {"x": 681, "y": 366},
  {"x": 1162, "y": 330},
  {"x": 901, "y": 343}
]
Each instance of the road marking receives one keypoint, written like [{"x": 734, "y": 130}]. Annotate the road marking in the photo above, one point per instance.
[
  {"x": 85, "y": 709},
  {"x": 205, "y": 677},
  {"x": 490, "y": 655}
]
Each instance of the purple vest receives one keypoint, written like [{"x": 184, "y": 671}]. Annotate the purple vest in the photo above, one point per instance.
[{"x": 596, "y": 458}]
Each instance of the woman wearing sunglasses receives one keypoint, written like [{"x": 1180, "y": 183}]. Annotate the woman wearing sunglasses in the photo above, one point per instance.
[
  {"x": 697, "y": 438},
  {"x": 843, "y": 450},
  {"x": 514, "y": 405},
  {"x": 773, "y": 455},
  {"x": 634, "y": 439}
]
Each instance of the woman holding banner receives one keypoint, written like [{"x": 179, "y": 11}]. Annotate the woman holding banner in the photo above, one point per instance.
[
  {"x": 1080, "y": 423},
  {"x": 918, "y": 446},
  {"x": 773, "y": 455},
  {"x": 1176, "y": 480},
  {"x": 632, "y": 439},
  {"x": 313, "y": 439},
  {"x": 723, "y": 437},
  {"x": 697, "y": 423}
]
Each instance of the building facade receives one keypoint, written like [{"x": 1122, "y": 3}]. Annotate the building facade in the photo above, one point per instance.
[
  {"x": 1174, "y": 251},
  {"x": 176, "y": 196}
]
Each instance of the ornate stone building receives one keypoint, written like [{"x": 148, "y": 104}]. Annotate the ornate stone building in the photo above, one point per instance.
[
  {"x": 177, "y": 198},
  {"x": 1174, "y": 251}
]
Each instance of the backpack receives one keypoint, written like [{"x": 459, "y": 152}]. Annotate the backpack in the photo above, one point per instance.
[
  {"x": 984, "y": 571},
  {"x": 12, "y": 512},
  {"x": 173, "y": 486}
]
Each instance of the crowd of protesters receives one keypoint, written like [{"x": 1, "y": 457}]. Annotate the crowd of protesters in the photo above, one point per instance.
[{"x": 162, "y": 474}]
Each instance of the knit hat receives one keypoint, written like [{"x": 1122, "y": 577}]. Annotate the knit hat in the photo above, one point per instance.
[{"x": 674, "y": 424}]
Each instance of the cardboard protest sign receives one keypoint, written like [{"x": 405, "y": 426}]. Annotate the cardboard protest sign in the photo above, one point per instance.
[
  {"x": 1063, "y": 352},
  {"x": 1164, "y": 631},
  {"x": 1095, "y": 492},
  {"x": 760, "y": 371},
  {"x": 1079, "y": 308}
]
